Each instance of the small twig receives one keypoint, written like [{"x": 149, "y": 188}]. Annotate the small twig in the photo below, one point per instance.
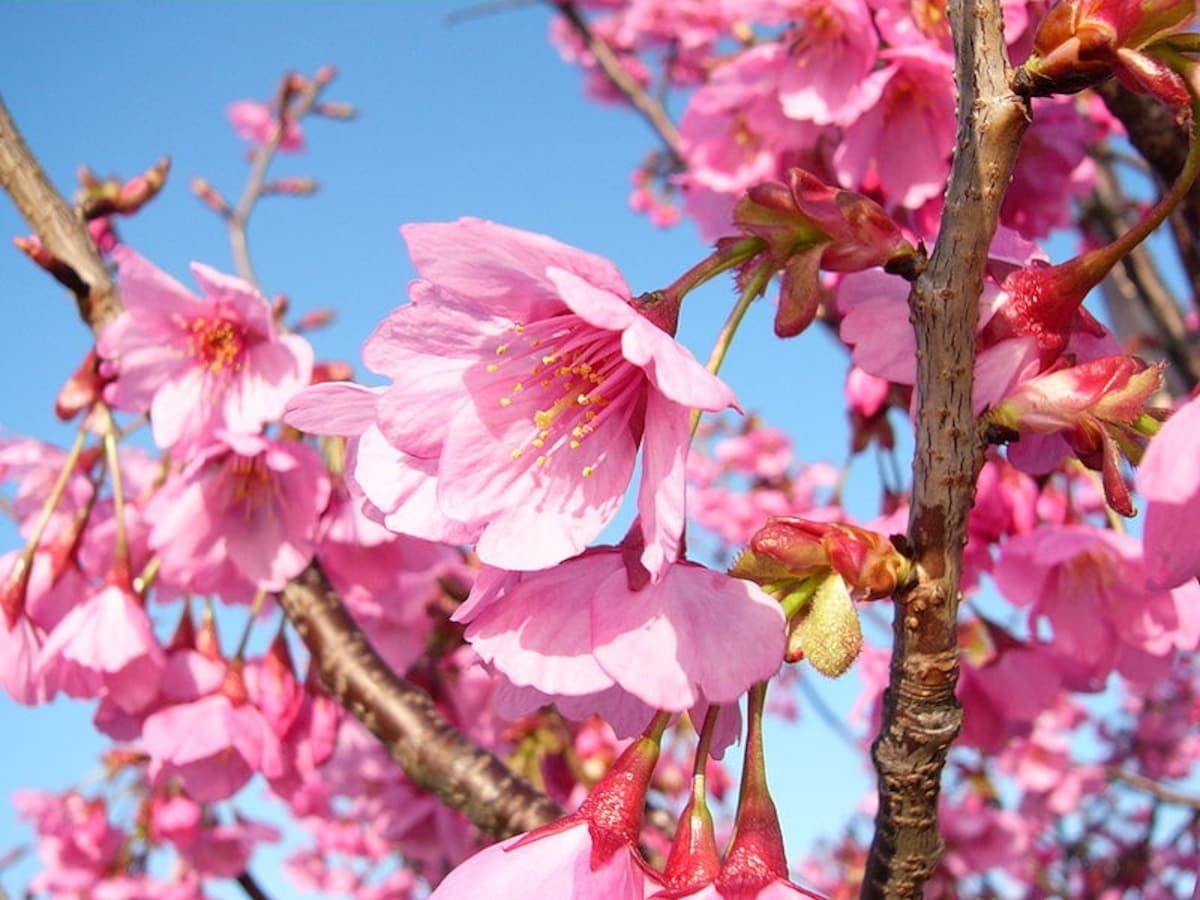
[
  {"x": 432, "y": 752},
  {"x": 1161, "y": 141},
  {"x": 286, "y": 109},
  {"x": 1154, "y": 788},
  {"x": 251, "y": 888},
  {"x": 608, "y": 61},
  {"x": 485, "y": 10},
  {"x": 60, "y": 231}
]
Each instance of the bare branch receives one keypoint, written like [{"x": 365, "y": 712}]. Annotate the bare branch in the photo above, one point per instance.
[
  {"x": 1154, "y": 788},
  {"x": 651, "y": 109},
  {"x": 432, "y": 753},
  {"x": 921, "y": 714},
  {"x": 60, "y": 231}
]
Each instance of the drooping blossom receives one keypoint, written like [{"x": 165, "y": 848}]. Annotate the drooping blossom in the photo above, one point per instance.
[
  {"x": 198, "y": 364},
  {"x": 242, "y": 515},
  {"x": 256, "y": 122},
  {"x": 524, "y": 380},
  {"x": 106, "y": 644},
  {"x": 1097, "y": 407},
  {"x": 1169, "y": 479},
  {"x": 579, "y": 630},
  {"x": 214, "y": 744}
]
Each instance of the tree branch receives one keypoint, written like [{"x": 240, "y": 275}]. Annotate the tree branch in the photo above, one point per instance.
[
  {"x": 1154, "y": 788},
  {"x": 921, "y": 714},
  {"x": 621, "y": 78},
  {"x": 431, "y": 752},
  {"x": 60, "y": 231}
]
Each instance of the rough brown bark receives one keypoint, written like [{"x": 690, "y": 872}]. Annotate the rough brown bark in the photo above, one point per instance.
[
  {"x": 56, "y": 226},
  {"x": 429, "y": 749},
  {"x": 921, "y": 714}
]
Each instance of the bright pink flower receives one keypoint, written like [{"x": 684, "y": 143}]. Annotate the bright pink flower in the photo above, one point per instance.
[
  {"x": 1169, "y": 479},
  {"x": 106, "y": 645},
  {"x": 734, "y": 131},
  {"x": 524, "y": 381},
  {"x": 911, "y": 106},
  {"x": 1089, "y": 585},
  {"x": 833, "y": 48},
  {"x": 243, "y": 513},
  {"x": 255, "y": 122},
  {"x": 77, "y": 844},
  {"x": 198, "y": 364},
  {"x": 578, "y": 629}
]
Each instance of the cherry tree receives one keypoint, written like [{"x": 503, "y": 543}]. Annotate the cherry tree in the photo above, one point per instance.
[{"x": 455, "y": 676}]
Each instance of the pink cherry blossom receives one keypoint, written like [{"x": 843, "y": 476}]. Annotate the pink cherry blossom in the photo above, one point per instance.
[
  {"x": 1169, "y": 479},
  {"x": 213, "y": 745},
  {"x": 198, "y": 364},
  {"x": 578, "y": 629},
  {"x": 524, "y": 381},
  {"x": 241, "y": 515},
  {"x": 833, "y": 48},
  {"x": 1089, "y": 584},
  {"x": 256, "y": 122},
  {"x": 912, "y": 107},
  {"x": 106, "y": 644}
]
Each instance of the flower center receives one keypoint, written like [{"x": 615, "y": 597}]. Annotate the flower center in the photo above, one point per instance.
[
  {"x": 218, "y": 344},
  {"x": 569, "y": 378}
]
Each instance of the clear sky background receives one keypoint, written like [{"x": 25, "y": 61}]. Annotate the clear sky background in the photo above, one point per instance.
[{"x": 479, "y": 118}]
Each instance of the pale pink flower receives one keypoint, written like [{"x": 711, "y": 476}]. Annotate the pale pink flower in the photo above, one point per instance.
[
  {"x": 213, "y": 745},
  {"x": 106, "y": 645},
  {"x": 734, "y": 130},
  {"x": 242, "y": 514},
  {"x": 832, "y": 50},
  {"x": 255, "y": 122},
  {"x": 578, "y": 629},
  {"x": 1089, "y": 584},
  {"x": 524, "y": 381},
  {"x": 912, "y": 107},
  {"x": 198, "y": 364},
  {"x": 1169, "y": 479}
]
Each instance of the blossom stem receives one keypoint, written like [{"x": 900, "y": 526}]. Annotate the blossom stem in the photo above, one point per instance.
[
  {"x": 1094, "y": 265},
  {"x": 256, "y": 606},
  {"x": 754, "y": 764},
  {"x": 721, "y": 260},
  {"x": 52, "y": 501},
  {"x": 149, "y": 574},
  {"x": 703, "y": 751},
  {"x": 113, "y": 462},
  {"x": 654, "y": 731},
  {"x": 756, "y": 287}
]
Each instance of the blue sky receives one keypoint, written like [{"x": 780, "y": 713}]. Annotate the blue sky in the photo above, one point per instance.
[{"x": 480, "y": 119}]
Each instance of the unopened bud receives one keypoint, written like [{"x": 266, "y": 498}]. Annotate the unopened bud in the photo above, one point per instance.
[
  {"x": 210, "y": 196},
  {"x": 336, "y": 110},
  {"x": 295, "y": 187},
  {"x": 314, "y": 319}
]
